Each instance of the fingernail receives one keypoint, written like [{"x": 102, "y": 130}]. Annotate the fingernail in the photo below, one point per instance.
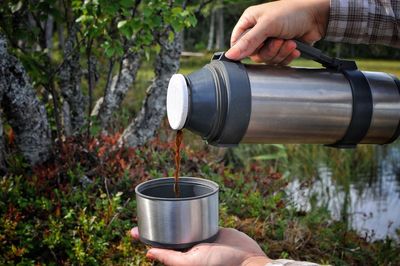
[
  {"x": 228, "y": 53},
  {"x": 134, "y": 232},
  {"x": 233, "y": 53},
  {"x": 149, "y": 255},
  {"x": 152, "y": 254},
  {"x": 152, "y": 251}
]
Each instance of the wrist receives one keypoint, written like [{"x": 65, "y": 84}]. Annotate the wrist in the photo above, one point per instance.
[
  {"x": 256, "y": 261},
  {"x": 321, "y": 15}
]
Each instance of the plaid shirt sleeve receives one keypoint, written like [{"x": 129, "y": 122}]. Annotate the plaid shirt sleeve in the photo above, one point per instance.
[{"x": 364, "y": 21}]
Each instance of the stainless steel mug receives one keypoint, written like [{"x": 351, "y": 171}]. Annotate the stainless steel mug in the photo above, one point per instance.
[
  {"x": 177, "y": 223},
  {"x": 227, "y": 102}
]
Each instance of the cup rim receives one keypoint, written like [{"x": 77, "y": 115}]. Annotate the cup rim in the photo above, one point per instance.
[{"x": 184, "y": 179}]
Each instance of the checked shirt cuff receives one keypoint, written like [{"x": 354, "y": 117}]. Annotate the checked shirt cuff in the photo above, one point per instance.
[{"x": 364, "y": 21}]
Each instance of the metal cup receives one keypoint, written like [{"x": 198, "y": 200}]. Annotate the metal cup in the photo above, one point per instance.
[{"x": 177, "y": 223}]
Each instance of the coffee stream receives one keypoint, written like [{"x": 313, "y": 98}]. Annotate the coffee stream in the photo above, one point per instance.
[{"x": 178, "y": 141}]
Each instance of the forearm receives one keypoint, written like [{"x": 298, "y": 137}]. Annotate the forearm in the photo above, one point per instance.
[
  {"x": 265, "y": 261},
  {"x": 256, "y": 261},
  {"x": 283, "y": 262},
  {"x": 364, "y": 21}
]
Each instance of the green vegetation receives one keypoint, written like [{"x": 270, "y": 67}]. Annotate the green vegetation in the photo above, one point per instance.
[{"x": 78, "y": 210}]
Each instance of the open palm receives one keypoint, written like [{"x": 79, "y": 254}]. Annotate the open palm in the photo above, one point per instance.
[{"x": 230, "y": 248}]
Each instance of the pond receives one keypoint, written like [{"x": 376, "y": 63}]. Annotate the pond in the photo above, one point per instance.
[{"x": 368, "y": 196}]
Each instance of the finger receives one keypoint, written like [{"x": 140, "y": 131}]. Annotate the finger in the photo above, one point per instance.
[
  {"x": 248, "y": 43},
  {"x": 295, "y": 54},
  {"x": 286, "y": 49},
  {"x": 310, "y": 38},
  {"x": 228, "y": 235},
  {"x": 135, "y": 233},
  {"x": 167, "y": 257},
  {"x": 244, "y": 23},
  {"x": 268, "y": 51}
]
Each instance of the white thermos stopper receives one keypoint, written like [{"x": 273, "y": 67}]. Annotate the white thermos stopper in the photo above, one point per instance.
[{"x": 177, "y": 101}]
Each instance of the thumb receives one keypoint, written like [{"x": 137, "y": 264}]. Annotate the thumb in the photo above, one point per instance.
[
  {"x": 167, "y": 257},
  {"x": 135, "y": 233}
]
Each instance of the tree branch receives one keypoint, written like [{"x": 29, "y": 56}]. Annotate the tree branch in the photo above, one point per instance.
[
  {"x": 91, "y": 79},
  {"x": 202, "y": 5},
  {"x": 2, "y": 147},
  {"x": 116, "y": 91},
  {"x": 70, "y": 86},
  {"x": 109, "y": 74},
  {"x": 146, "y": 124}
]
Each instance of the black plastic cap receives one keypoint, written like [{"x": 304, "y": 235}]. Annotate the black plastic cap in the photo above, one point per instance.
[
  {"x": 220, "y": 101},
  {"x": 202, "y": 103}
]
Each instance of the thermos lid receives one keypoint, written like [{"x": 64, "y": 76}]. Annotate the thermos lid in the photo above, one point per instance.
[{"x": 177, "y": 101}]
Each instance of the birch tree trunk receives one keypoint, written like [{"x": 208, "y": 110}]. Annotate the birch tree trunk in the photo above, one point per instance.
[
  {"x": 117, "y": 89},
  {"x": 24, "y": 112},
  {"x": 49, "y": 28},
  {"x": 220, "y": 34},
  {"x": 75, "y": 102},
  {"x": 2, "y": 147},
  {"x": 146, "y": 124},
  {"x": 60, "y": 33},
  {"x": 211, "y": 34}
]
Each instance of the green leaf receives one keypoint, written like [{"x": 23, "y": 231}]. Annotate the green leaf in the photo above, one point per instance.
[
  {"x": 155, "y": 21},
  {"x": 110, "y": 8},
  {"x": 147, "y": 38},
  {"x": 109, "y": 52},
  {"x": 177, "y": 10},
  {"x": 184, "y": 13},
  {"x": 171, "y": 36},
  {"x": 274, "y": 156},
  {"x": 147, "y": 54},
  {"x": 122, "y": 23},
  {"x": 119, "y": 51},
  {"x": 126, "y": 3},
  {"x": 177, "y": 25},
  {"x": 278, "y": 146},
  {"x": 157, "y": 48},
  {"x": 147, "y": 12},
  {"x": 16, "y": 7},
  {"x": 135, "y": 24},
  {"x": 85, "y": 19},
  {"x": 192, "y": 20}
]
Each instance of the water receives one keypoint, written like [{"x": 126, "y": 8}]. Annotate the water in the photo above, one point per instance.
[{"x": 372, "y": 199}]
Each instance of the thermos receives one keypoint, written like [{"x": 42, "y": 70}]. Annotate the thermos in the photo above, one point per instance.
[{"x": 227, "y": 102}]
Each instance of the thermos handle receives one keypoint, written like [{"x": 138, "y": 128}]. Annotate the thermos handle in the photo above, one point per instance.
[
  {"x": 309, "y": 52},
  {"x": 221, "y": 57}
]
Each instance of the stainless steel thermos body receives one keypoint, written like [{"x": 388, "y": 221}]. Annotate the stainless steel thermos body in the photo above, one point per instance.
[
  {"x": 177, "y": 223},
  {"x": 229, "y": 102},
  {"x": 297, "y": 105}
]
